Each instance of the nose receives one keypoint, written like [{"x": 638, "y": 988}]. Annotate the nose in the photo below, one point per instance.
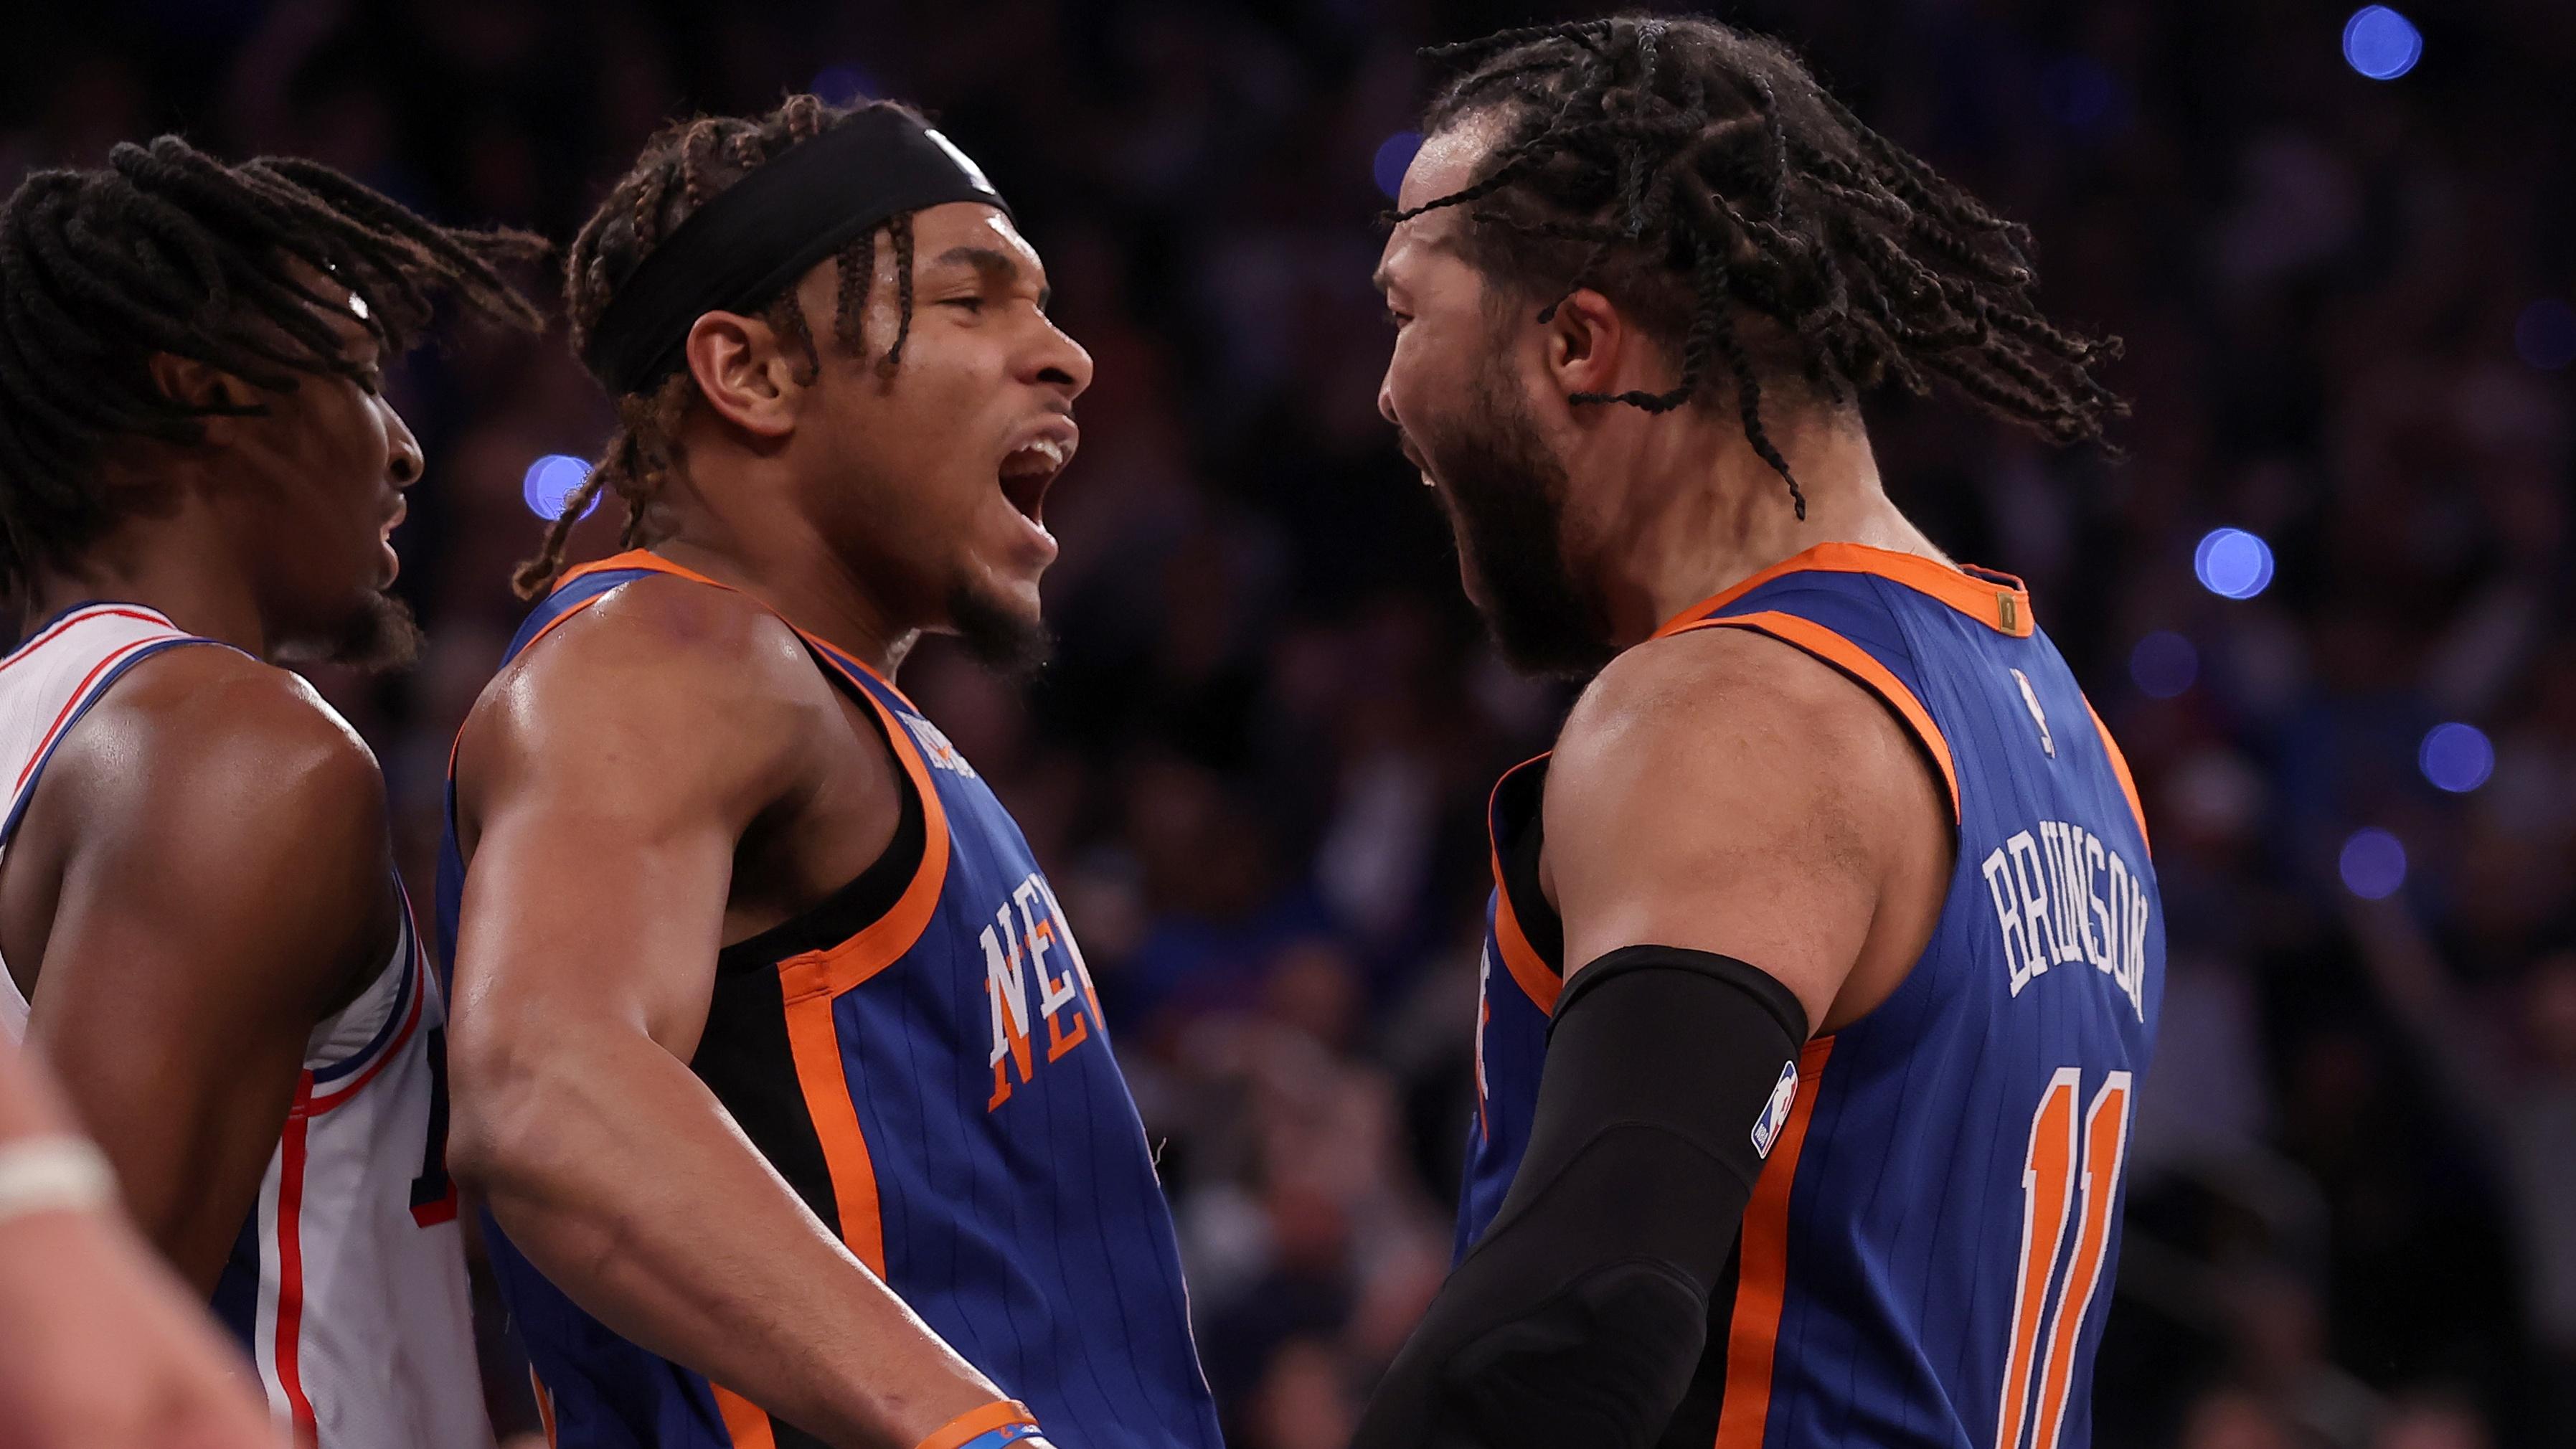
[
  {"x": 1060, "y": 362},
  {"x": 403, "y": 460}
]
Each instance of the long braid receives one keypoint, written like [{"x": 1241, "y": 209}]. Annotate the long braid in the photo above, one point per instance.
[
  {"x": 167, "y": 250},
  {"x": 680, "y": 170},
  {"x": 1702, "y": 178}
]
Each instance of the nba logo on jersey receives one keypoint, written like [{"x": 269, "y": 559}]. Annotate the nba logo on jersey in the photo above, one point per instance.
[
  {"x": 1775, "y": 1113},
  {"x": 2038, "y": 716}
]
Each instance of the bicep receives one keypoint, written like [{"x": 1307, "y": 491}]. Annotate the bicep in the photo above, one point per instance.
[
  {"x": 589, "y": 902},
  {"x": 607, "y": 795},
  {"x": 1728, "y": 810}
]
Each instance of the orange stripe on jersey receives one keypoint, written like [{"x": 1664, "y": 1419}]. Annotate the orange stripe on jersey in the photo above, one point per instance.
[
  {"x": 2120, "y": 768},
  {"x": 1999, "y": 602},
  {"x": 1855, "y": 661},
  {"x": 745, "y": 1424},
  {"x": 2048, "y": 1190},
  {"x": 2106, "y": 1138},
  {"x": 1521, "y": 958},
  {"x": 811, "y": 982},
  {"x": 958, "y": 1431},
  {"x": 816, "y": 1044},
  {"x": 1762, "y": 1275},
  {"x": 636, "y": 558},
  {"x": 1537, "y": 980},
  {"x": 545, "y": 1406},
  {"x": 838, "y": 968}
]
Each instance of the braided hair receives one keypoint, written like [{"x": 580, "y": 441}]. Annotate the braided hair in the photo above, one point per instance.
[
  {"x": 682, "y": 166},
  {"x": 168, "y": 250},
  {"x": 1701, "y": 177}
]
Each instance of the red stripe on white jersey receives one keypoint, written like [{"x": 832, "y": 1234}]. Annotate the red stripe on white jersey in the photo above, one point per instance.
[{"x": 290, "y": 1258}]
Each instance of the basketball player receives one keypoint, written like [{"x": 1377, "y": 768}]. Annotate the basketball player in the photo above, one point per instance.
[
  {"x": 1830, "y": 916},
  {"x": 199, "y": 475},
  {"x": 774, "y": 1053},
  {"x": 97, "y": 1348}
]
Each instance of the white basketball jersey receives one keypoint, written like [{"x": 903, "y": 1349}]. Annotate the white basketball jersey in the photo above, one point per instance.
[{"x": 347, "y": 1285}]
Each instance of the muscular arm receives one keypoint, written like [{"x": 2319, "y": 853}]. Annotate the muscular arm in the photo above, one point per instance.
[
  {"x": 227, "y": 884},
  {"x": 606, "y": 787},
  {"x": 1741, "y": 844}
]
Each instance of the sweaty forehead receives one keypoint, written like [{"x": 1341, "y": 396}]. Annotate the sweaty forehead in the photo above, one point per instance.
[
  {"x": 1446, "y": 163},
  {"x": 1448, "y": 159}
]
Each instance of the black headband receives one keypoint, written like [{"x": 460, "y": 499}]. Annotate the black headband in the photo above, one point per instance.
[{"x": 760, "y": 234}]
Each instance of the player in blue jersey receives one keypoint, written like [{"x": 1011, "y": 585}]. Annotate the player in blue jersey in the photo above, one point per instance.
[
  {"x": 1830, "y": 916},
  {"x": 774, "y": 1053}
]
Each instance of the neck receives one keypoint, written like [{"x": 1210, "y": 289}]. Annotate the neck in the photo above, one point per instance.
[
  {"x": 1701, "y": 511},
  {"x": 163, "y": 562},
  {"x": 773, "y": 553}
]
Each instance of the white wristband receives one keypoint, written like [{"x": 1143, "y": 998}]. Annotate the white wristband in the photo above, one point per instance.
[{"x": 53, "y": 1174}]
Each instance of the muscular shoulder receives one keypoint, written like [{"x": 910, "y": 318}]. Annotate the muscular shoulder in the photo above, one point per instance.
[
  {"x": 215, "y": 798},
  {"x": 1724, "y": 791},
  {"x": 667, "y": 684},
  {"x": 1729, "y": 712},
  {"x": 197, "y": 738}
]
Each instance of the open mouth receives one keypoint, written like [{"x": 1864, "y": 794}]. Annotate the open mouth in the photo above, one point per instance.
[{"x": 1028, "y": 469}]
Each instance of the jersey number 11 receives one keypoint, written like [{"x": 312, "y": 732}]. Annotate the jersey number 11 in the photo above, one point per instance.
[{"x": 2051, "y": 1190}]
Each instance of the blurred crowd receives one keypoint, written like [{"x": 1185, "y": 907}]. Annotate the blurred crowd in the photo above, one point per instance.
[{"x": 1258, "y": 766}]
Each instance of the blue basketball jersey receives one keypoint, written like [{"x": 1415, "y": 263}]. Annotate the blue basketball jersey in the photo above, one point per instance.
[
  {"x": 935, "y": 1080},
  {"x": 1928, "y": 1254}
]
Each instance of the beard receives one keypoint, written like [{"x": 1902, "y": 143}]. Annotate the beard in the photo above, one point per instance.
[
  {"x": 1505, "y": 493},
  {"x": 1000, "y": 637},
  {"x": 379, "y": 636}
]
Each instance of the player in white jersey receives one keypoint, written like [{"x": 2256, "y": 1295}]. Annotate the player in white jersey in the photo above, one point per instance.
[{"x": 199, "y": 917}]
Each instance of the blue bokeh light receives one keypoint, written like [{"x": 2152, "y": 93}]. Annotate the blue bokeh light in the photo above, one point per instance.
[
  {"x": 550, "y": 483},
  {"x": 2545, "y": 335},
  {"x": 2164, "y": 664},
  {"x": 2232, "y": 563},
  {"x": 2456, "y": 757},
  {"x": 2373, "y": 865},
  {"x": 2380, "y": 43},
  {"x": 1393, "y": 155}
]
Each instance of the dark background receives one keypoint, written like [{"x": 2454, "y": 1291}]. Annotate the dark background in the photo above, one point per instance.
[{"x": 1256, "y": 771}]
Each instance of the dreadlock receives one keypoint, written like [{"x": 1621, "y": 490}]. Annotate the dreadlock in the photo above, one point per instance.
[
  {"x": 682, "y": 166},
  {"x": 168, "y": 250},
  {"x": 1702, "y": 178}
]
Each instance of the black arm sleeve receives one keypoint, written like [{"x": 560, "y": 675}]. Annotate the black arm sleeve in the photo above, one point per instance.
[{"x": 1581, "y": 1315}]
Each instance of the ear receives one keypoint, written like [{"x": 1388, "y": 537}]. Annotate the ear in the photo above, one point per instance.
[
  {"x": 1588, "y": 344},
  {"x": 195, "y": 384},
  {"x": 743, "y": 367}
]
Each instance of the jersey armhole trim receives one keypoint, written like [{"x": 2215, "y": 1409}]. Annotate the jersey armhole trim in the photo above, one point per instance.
[
  {"x": 809, "y": 984},
  {"x": 88, "y": 693},
  {"x": 1528, "y": 969},
  {"x": 1857, "y": 663},
  {"x": 2120, "y": 769},
  {"x": 1520, "y": 958}
]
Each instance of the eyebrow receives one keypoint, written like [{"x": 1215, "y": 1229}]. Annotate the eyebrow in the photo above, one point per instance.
[{"x": 993, "y": 266}]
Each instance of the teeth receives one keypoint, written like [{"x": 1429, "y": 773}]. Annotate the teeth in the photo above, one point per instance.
[{"x": 1051, "y": 450}]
